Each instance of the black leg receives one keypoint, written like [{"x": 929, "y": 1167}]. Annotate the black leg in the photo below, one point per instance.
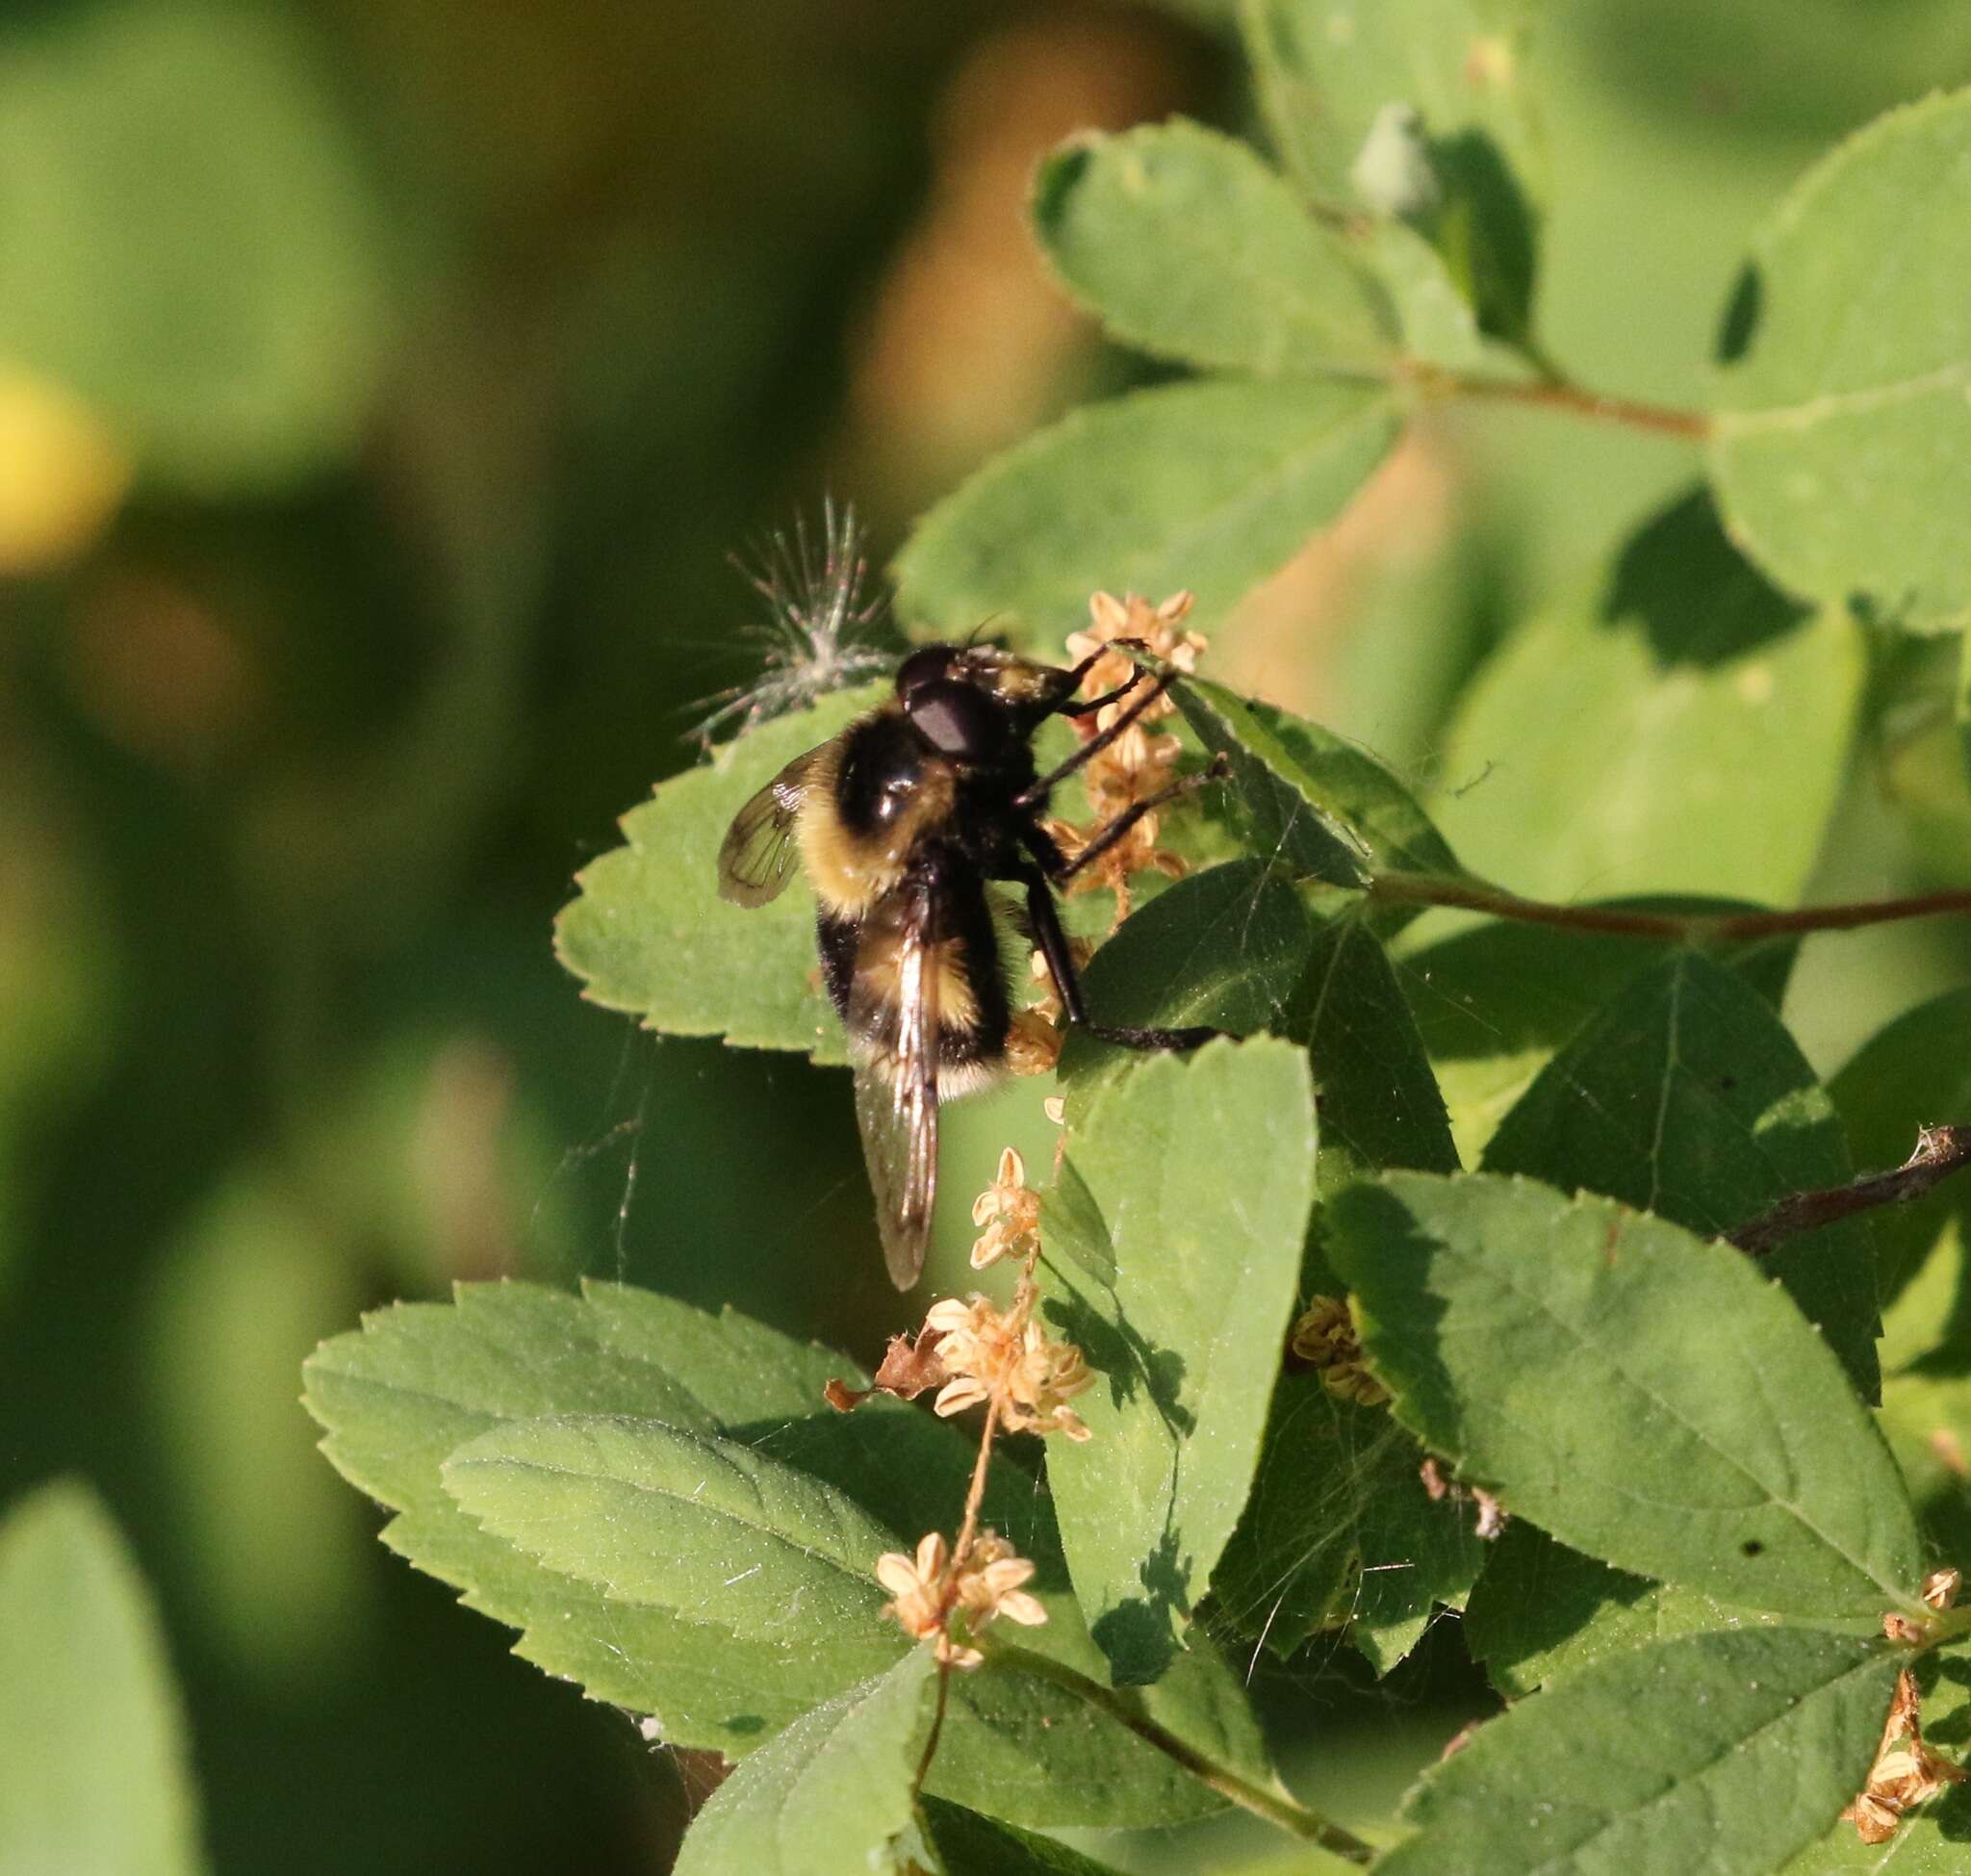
[
  {"x": 1034, "y": 796},
  {"x": 1054, "y": 947},
  {"x": 1219, "y": 767}
]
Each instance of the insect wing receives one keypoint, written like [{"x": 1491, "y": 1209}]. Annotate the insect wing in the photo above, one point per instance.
[
  {"x": 757, "y": 855},
  {"x": 896, "y": 1109}
]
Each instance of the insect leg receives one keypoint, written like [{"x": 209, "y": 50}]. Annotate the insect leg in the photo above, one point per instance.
[
  {"x": 1034, "y": 796},
  {"x": 1217, "y": 770},
  {"x": 1054, "y": 947}
]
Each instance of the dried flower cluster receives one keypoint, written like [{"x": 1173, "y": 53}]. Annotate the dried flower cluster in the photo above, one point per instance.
[
  {"x": 1009, "y": 1210},
  {"x": 1003, "y": 1356},
  {"x": 1323, "y": 1336},
  {"x": 1905, "y": 1773},
  {"x": 1137, "y": 764},
  {"x": 983, "y": 1580}
]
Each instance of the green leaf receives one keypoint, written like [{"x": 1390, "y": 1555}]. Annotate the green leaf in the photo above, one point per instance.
[
  {"x": 1235, "y": 948},
  {"x": 1646, "y": 1396},
  {"x": 1209, "y": 485},
  {"x": 1327, "y": 71},
  {"x": 1184, "y": 244},
  {"x": 237, "y": 348},
  {"x": 1687, "y": 695},
  {"x": 829, "y": 1793},
  {"x": 1842, "y": 444},
  {"x": 1495, "y": 1001},
  {"x": 1312, "y": 800},
  {"x": 1726, "y": 1752},
  {"x": 1687, "y": 1097},
  {"x": 93, "y": 1760},
  {"x": 1414, "y": 108},
  {"x": 967, "y": 1844},
  {"x": 1915, "y": 1072},
  {"x": 708, "y": 1526},
  {"x": 1338, "y": 1528},
  {"x": 1203, "y": 1169},
  {"x": 1929, "y": 1841},
  {"x": 1541, "y": 1609},
  {"x": 651, "y": 935},
  {"x": 423, "y": 1380}
]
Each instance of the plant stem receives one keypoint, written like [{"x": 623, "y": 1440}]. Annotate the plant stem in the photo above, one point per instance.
[
  {"x": 1557, "y": 393},
  {"x": 1679, "y": 928},
  {"x": 1275, "y": 1807},
  {"x": 1940, "y": 1151}
]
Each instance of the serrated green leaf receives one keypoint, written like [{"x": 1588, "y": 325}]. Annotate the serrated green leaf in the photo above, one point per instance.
[
  {"x": 1184, "y": 244},
  {"x": 968, "y": 1844},
  {"x": 1313, "y": 801},
  {"x": 1686, "y": 694},
  {"x": 1646, "y": 1397},
  {"x": 92, "y": 1756},
  {"x": 651, "y": 935},
  {"x": 1541, "y": 1609},
  {"x": 1842, "y": 444},
  {"x": 710, "y": 1528},
  {"x": 237, "y": 348},
  {"x": 1715, "y": 1752},
  {"x": 1209, "y": 485},
  {"x": 829, "y": 1793},
  {"x": 1914, "y": 1072},
  {"x": 1687, "y": 1097},
  {"x": 422, "y": 1380},
  {"x": 1495, "y": 1001},
  {"x": 1338, "y": 1528},
  {"x": 1929, "y": 1840},
  {"x": 1203, "y": 1169}
]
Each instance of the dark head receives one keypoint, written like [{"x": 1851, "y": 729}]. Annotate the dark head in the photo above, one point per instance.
[{"x": 973, "y": 702}]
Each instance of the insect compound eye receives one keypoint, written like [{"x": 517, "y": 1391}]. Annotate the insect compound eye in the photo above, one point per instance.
[
  {"x": 957, "y": 719},
  {"x": 930, "y": 666}
]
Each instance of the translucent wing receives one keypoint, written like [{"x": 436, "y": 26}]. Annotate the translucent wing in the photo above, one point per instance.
[
  {"x": 758, "y": 851},
  {"x": 896, "y": 1108}
]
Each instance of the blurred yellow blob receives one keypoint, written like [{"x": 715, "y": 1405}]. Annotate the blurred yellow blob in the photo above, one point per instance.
[{"x": 61, "y": 473}]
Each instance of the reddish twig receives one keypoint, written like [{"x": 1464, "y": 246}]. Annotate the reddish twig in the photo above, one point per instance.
[{"x": 1940, "y": 1151}]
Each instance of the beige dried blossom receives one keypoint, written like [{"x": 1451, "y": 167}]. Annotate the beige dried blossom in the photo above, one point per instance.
[
  {"x": 1941, "y": 1589},
  {"x": 1009, "y": 1211},
  {"x": 1905, "y": 1773},
  {"x": 1324, "y": 1337},
  {"x": 1006, "y": 1356},
  {"x": 925, "y": 1592},
  {"x": 1158, "y": 627}
]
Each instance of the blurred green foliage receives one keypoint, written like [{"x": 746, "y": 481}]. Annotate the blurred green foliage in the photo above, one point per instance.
[{"x": 394, "y": 377}]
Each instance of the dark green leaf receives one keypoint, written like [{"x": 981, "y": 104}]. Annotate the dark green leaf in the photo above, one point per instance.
[
  {"x": 1842, "y": 446},
  {"x": 1642, "y": 1395},
  {"x": 967, "y": 1844},
  {"x": 1724, "y": 1752},
  {"x": 1683, "y": 730},
  {"x": 1314, "y": 801},
  {"x": 1209, "y": 485},
  {"x": 1203, "y": 1167},
  {"x": 831, "y": 1792},
  {"x": 1541, "y": 1609},
  {"x": 1338, "y": 1528},
  {"x": 93, "y": 1759},
  {"x": 651, "y": 935},
  {"x": 1184, "y": 243},
  {"x": 1495, "y": 1002},
  {"x": 1687, "y": 1097}
]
